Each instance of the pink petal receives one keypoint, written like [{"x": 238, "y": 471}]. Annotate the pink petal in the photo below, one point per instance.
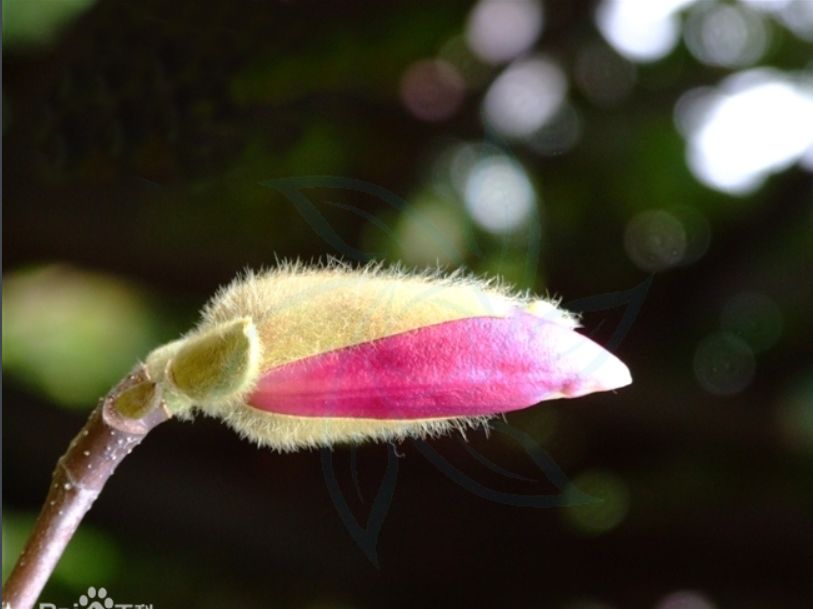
[{"x": 468, "y": 367}]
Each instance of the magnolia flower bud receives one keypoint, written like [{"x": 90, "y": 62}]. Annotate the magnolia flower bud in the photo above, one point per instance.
[{"x": 310, "y": 356}]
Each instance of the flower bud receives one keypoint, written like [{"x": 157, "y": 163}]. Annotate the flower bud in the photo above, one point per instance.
[{"x": 310, "y": 356}]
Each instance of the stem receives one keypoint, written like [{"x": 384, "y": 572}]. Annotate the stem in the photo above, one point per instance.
[{"x": 81, "y": 473}]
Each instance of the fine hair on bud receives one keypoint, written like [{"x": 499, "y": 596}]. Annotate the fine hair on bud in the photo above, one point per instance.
[{"x": 295, "y": 315}]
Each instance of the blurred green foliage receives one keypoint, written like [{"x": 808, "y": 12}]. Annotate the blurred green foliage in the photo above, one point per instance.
[
  {"x": 610, "y": 505},
  {"x": 71, "y": 334},
  {"x": 32, "y": 23}
]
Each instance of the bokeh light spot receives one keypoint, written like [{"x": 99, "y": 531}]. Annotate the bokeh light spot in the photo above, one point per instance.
[
  {"x": 463, "y": 158},
  {"x": 499, "y": 195},
  {"x": 724, "y": 364},
  {"x": 641, "y": 30},
  {"x": 500, "y": 30},
  {"x": 692, "y": 108},
  {"x": 797, "y": 16},
  {"x": 609, "y": 508},
  {"x": 726, "y": 35},
  {"x": 432, "y": 90},
  {"x": 524, "y": 97},
  {"x": 767, "y": 6},
  {"x": 430, "y": 232},
  {"x": 655, "y": 240},
  {"x": 757, "y": 123},
  {"x": 753, "y": 317},
  {"x": 685, "y": 599}
]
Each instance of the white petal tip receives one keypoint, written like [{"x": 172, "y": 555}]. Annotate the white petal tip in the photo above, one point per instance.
[{"x": 612, "y": 374}]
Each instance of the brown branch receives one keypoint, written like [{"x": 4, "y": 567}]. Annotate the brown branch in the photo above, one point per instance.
[{"x": 115, "y": 427}]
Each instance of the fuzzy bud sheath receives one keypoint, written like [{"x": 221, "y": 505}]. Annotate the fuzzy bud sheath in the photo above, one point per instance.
[{"x": 311, "y": 356}]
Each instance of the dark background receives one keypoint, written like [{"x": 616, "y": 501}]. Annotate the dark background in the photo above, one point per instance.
[{"x": 136, "y": 136}]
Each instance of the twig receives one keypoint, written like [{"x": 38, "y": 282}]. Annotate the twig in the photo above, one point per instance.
[{"x": 120, "y": 422}]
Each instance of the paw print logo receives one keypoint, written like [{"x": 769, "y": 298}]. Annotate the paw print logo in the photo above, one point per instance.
[{"x": 95, "y": 599}]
